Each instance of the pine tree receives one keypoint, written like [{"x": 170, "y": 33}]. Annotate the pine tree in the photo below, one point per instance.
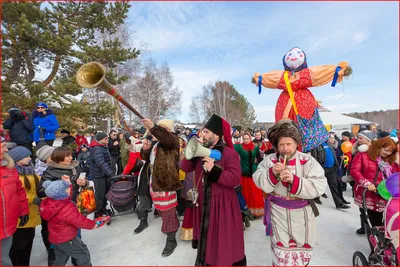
[{"x": 60, "y": 36}]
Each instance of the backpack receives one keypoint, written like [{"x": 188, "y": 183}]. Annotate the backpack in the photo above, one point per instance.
[{"x": 318, "y": 153}]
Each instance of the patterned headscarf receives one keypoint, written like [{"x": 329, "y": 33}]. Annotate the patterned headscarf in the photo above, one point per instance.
[{"x": 303, "y": 66}]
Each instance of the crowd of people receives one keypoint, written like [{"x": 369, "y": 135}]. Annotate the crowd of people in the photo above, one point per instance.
[{"x": 261, "y": 174}]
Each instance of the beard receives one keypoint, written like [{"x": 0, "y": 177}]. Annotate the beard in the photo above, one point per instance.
[{"x": 209, "y": 142}]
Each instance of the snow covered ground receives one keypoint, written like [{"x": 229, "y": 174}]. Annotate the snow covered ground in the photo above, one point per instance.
[{"x": 118, "y": 245}]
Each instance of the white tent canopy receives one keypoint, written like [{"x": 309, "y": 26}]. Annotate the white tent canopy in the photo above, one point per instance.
[{"x": 341, "y": 123}]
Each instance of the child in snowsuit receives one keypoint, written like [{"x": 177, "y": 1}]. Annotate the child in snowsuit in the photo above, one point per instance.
[{"x": 64, "y": 220}]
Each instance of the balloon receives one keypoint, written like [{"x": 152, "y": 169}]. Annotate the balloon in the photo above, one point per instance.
[
  {"x": 392, "y": 184},
  {"x": 383, "y": 191},
  {"x": 346, "y": 147}
]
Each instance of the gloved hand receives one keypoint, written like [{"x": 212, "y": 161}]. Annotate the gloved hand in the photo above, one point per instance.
[
  {"x": 37, "y": 201},
  {"x": 24, "y": 220},
  {"x": 20, "y": 116}
]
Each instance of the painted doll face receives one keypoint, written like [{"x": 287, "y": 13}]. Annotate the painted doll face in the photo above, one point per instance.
[{"x": 294, "y": 58}]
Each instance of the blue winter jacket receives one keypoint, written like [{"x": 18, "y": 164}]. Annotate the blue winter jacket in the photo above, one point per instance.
[{"x": 48, "y": 122}]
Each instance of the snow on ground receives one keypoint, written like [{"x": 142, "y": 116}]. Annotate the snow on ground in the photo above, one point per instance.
[{"x": 117, "y": 244}]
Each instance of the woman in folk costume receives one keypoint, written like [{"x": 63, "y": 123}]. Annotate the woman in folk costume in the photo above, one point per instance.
[
  {"x": 249, "y": 158},
  {"x": 291, "y": 179},
  {"x": 217, "y": 230},
  {"x": 296, "y": 102}
]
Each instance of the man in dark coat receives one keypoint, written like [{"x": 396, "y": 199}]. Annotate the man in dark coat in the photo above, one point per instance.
[
  {"x": 164, "y": 164},
  {"x": 218, "y": 229},
  {"x": 100, "y": 171},
  {"x": 113, "y": 148},
  {"x": 20, "y": 125}
]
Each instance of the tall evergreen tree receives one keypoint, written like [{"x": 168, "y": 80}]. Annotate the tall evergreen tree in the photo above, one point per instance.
[{"x": 60, "y": 37}]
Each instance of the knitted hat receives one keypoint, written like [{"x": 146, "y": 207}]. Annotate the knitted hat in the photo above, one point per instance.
[
  {"x": 42, "y": 104},
  {"x": 44, "y": 152},
  {"x": 56, "y": 190},
  {"x": 183, "y": 137},
  {"x": 100, "y": 136},
  {"x": 169, "y": 124},
  {"x": 19, "y": 153},
  {"x": 263, "y": 128},
  {"x": 127, "y": 135},
  {"x": 384, "y": 134},
  {"x": 367, "y": 134},
  {"x": 84, "y": 145},
  {"x": 14, "y": 108}
]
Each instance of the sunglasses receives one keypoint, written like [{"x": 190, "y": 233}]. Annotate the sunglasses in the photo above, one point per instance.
[{"x": 40, "y": 107}]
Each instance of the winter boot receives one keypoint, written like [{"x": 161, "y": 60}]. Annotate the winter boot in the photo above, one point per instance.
[
  {"x": 143, "y": 222},
  {"x": 361, "y": 231},
  {"x": 51, "y": 257},
  {"x": 249, "y": 215},
  {"x": 170, "y": 245}
]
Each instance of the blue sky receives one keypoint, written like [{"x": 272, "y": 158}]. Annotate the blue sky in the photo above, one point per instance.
[{"x": 207, "y": 41}]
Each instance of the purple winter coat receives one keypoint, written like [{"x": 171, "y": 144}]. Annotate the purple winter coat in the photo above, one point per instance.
[{"x": 218, "y": 227}]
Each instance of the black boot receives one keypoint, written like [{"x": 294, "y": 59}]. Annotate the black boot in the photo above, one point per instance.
[
  {"x": 143, "y": 222},
  {"x": 361, "y": 231},
  {"x": 170, "y": 245},
  {"x": 249, "y": 215},
  {"x": 51, "y": 257}
]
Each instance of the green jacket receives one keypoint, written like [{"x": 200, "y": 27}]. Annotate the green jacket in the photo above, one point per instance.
[
  {"x": 248, "y": 161},
  {"x": 124, "y": 152}
]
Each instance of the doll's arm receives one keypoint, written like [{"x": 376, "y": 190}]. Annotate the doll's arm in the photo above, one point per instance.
[
  {"x": 269, "y": 80},
  {"x": 323, "y": 74}
]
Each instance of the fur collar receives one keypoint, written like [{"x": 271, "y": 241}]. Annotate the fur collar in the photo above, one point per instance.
[
  {"x": 7, "y": 161},
  {"x": 61, "y": 166}
]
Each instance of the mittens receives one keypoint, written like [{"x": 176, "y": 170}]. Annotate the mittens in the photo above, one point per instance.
[{"x": 24, "y": 219}]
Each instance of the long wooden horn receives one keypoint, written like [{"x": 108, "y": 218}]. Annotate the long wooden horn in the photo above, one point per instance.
[{"x": 92, "y": 75}]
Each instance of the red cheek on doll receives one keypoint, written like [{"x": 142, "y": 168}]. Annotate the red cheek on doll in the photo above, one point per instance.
[
  {"x": 301, "y": 55},
  {"x": 287, "y": 58}
]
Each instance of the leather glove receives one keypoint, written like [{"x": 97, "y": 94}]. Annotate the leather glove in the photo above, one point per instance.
[
  {"x": 37, "y": 201},
  {"x": 24, "y": 219}
]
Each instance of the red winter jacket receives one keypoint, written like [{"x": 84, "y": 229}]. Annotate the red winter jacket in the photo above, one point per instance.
[
  {"x": 64, "y": 219},
  {"x": 363, "y": 170},
  {"x": 133, "y": 157},
  {"x": 14, "y": 202}
]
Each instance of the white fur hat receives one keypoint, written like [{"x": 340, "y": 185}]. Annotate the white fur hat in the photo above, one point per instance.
[{"x": 169, "y": 124}]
